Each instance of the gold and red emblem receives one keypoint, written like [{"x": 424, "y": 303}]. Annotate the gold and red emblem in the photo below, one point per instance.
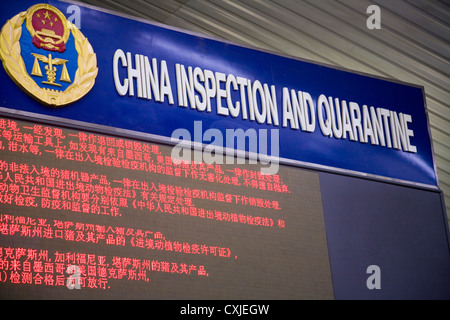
[
  {"x": 50, "y": 34},
  {"x": 47, "y": 27}
]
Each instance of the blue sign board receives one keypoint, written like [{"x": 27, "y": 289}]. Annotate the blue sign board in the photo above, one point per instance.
[{"x": 139, "y": 76}]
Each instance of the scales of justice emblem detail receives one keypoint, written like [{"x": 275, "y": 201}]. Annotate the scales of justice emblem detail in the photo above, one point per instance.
[{"x": 58, "y": 49}]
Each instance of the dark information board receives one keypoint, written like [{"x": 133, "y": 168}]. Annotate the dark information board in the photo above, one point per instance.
[
  {"x": 100, "y": 216},
  {"x": 401, "y": 230},
  {"x": 91, "y": 215}
]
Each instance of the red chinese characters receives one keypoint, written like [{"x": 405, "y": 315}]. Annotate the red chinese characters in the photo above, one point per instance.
[
  {"x": 89, "y": 148},
  {"x": 26, "y": 185},
  {"x": 97, "y": 194},
  {"x": 97, "y": 234},
  {"x": 20, "y": 265}
]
